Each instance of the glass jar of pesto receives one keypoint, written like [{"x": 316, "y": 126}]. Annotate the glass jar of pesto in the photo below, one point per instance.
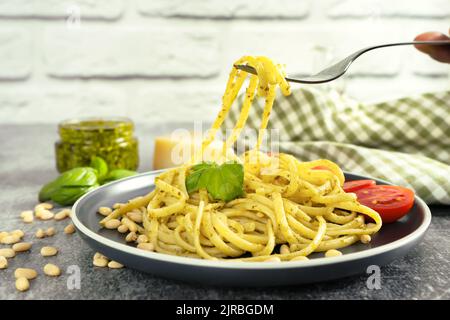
[{"x": 109, "y": 138}]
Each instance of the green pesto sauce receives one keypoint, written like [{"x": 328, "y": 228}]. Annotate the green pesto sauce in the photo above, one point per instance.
[{"x": 111, "y": 139}]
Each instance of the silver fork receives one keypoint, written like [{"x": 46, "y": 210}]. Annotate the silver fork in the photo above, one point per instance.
[{"x": 338, "y": 69}]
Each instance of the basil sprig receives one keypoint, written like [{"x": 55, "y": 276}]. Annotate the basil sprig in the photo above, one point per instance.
[
  {"x": 72, "y": 184},
  {"x": 223, "y": 182}
]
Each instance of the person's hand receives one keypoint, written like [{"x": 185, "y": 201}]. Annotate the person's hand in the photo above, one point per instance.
[{"x": 439, "y": 53}]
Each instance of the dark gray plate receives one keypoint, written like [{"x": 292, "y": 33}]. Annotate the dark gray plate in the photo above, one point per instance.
[{"x": 392, "y": 241}]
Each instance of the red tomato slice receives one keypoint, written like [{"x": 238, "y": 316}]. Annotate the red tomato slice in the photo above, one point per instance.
[
  {"x": 352, "y": 186},
  {"x": 391, "y": 202}
]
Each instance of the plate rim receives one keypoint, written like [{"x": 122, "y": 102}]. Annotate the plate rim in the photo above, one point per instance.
[{"x": 233, "y": 265}]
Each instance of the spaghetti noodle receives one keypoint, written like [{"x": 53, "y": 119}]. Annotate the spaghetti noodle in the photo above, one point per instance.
[{"x": 286, "y": 202}]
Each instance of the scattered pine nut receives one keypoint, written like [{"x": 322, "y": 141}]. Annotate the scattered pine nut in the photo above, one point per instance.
[
  {"x": 69, "y": 229},
  {"x": 115, "y": 265},
  {"x": 21, "y": 246},
  {"x": 27, "y": 216},
  {"x": 135, "y": 216},
  {"x": 131, "y": 237},
  {"x": 3, "y": 234},
  {"x": 10, "y": 239},
  {"x": 48, "y": 251},
  {"x": 52, "y": 270},
  {"x": 43, "y": 205},
  {"x": 130, "y": 224},
  {"x": 3, "y": 262},
  {"x": 260, "y": 215},
  {"x": 50, "y": 232},
  {"x": 146, "y": 246},
  {"x": 273, "y": 259},
  {"x": 7, "y": 253},
  {"x": 370, "y": 225},
  {"x": 22, "y": 284},
  {"x": 112, "y": 224},
  {"x": 44, "y": 214},
  {"x": 117, "y": 205},
  {"x": 61, "y": 215},
  {"x": 26, "y": 273},
  {"x": 104, "y": 211},
  {"x": 40, "y": 234},
  {"x": 18, "y": 233},
  {"x": 300, "y": 258},
  {"x": 365, "y": 238},
  {"x": 142, "y": 239},
  {"x": 122, "y": 228},
  {"x": 333, "y": 253},
  {"x": 284, "y": 249},
  {"x": 98, "y": 255},
  {"x": 100, "y": 262}
]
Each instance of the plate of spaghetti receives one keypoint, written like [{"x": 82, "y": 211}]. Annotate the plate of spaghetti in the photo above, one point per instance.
[{"x": 254, "y": 219}]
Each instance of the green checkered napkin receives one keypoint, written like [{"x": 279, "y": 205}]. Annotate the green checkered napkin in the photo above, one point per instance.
[{"x": 404, "y": 141}]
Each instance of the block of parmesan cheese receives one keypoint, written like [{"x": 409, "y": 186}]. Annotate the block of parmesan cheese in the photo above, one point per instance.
[{"x": 175, "y": 151}]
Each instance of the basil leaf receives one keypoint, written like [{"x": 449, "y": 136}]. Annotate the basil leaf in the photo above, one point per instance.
[
  {"x": 227, "y": 182},
  {"x": 100, "y": 166},
  {"x": 224, "y": 182},
  {"x": 119, "y": 174},
  {"x": 77, "y": 178},
  {"x": 67, "y": 195}
]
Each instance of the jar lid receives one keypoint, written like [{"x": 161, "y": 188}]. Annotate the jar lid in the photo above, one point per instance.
[{"x": 96, "y": 128}]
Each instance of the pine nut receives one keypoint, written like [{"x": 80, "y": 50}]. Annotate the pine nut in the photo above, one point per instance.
[
  {"x": 131, "y": 237},
  {"x": 273, "y": 259},
  {"x": 22, "y": 284},
  {"x": 52, "y": 270},
  {"x": 135, "y": 216},
  {"x": 146, "y": 246},
  {"x": 3, "y": 234},
  {"x": 100, "y": 262},
  {"x": 115, "y": 265},
  {"x": 104, "y": 211},
  {"x": 333, "y": 253},
  {"x": 249, "y": 226},
  {"x": 44, "y": 214},
  {"x": 61, "y": 215},
  {"x": 10, "y": 239},
  {"x": 365, "y": 238},
  {"x": 25, "y": 273},
  {"x": 7, "y": 253},
  {"x": 112, "y": 224},
  {"x": 21, "y": 246},
  {"x": 130, "y": 224},
  {"x": 300, "y": 258},
  {"x": 98, "y": 255},
  {"x": 43, "y": 205},
  {"x": 370, "y": 225},
  {"x": 260, "y": 215},
  {"x": 27, "y": 216},
  {"x": 284, "y": 249},
  {"x": 40, "y": 234},
  {"x": 3, "y": 262},
  {"x": 142, "y": 239},
  {"x": 48, "y": 251},
  {"x": 122, "y": 228},
  {"x": 50, "y": 232},
  {"x": 69, "y": 229},
  {"x": 116, "y": 205},
  {"x": 18, "y": 233}
]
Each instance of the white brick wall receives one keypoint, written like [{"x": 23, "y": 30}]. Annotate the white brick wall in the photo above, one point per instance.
[{"x": 163, "y": 60}]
